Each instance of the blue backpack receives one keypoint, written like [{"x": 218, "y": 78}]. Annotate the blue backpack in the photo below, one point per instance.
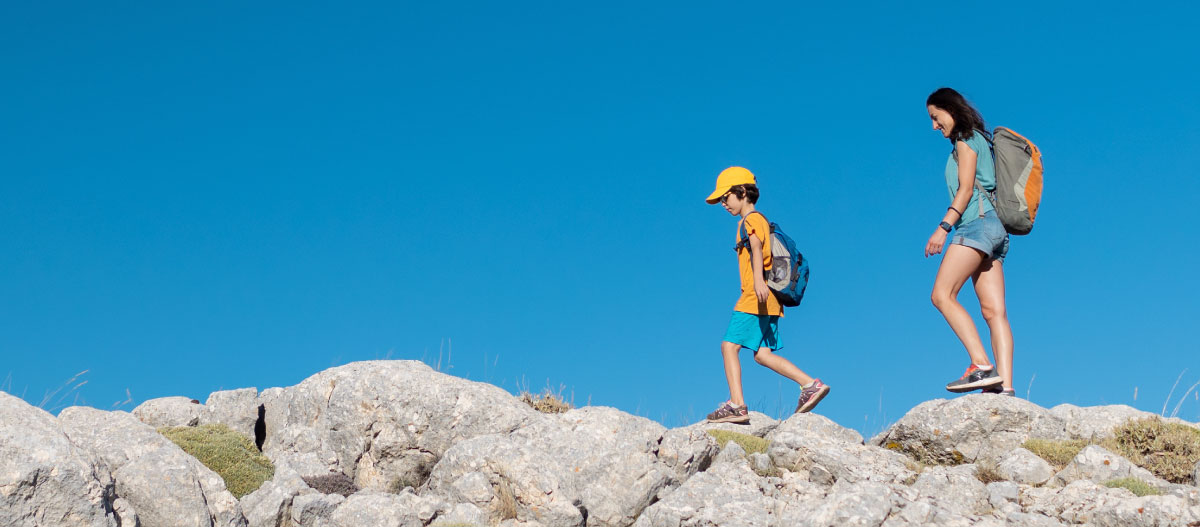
[{"x": 788, "y": 276}]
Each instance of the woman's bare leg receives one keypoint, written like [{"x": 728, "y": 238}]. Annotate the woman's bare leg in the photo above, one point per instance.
[
  {"x": 989, "y": 287},
  {"x": 781, "y": 366},
  {"x": 733, "y": 372},
  {"x": 959, "y": 263}
]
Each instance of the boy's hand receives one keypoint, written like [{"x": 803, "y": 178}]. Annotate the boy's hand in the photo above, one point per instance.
[
  {"x": 936, "y": 241},
  {"x": 761, "y": 291}
]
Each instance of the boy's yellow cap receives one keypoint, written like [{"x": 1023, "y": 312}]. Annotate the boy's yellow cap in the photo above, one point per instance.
[{"x": 729, "y": 178}]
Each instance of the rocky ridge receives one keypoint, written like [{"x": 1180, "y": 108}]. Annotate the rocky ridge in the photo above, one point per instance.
[{"x": 418, "y": 448}]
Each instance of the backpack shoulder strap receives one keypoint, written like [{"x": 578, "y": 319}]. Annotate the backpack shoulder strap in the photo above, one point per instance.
[{"x": 744, "y": 239}]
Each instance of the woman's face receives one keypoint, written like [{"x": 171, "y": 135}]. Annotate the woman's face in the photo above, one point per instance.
[{"x": 941, "y": 120}]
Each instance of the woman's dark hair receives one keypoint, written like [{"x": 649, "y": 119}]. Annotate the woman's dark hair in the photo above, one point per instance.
[
  {"x": 967, "y": 120},
  {"x": 747, "y": 192}
]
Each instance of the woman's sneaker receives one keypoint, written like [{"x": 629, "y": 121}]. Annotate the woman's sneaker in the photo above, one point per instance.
[
  {"x": 809, "y": 397},
  {"x": 728, "y": 413},
  {"x": 975, "y": 379}
]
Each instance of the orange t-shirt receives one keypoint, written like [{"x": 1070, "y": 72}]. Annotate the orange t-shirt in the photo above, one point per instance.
[{"x": 757, "y": 225}]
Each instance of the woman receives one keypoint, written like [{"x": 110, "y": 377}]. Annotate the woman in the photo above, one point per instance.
[{"x": 977, "y": 248}]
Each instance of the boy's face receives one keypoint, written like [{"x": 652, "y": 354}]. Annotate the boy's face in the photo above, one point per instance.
[{"x": 733, "y": 204}]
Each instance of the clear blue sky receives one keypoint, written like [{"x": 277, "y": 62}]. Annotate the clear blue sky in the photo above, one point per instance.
[{"x": 203, "y": 197}]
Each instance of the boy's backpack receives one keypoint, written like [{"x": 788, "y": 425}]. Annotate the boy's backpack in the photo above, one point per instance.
[
  {"x": 1018, "y": 180},
  {"x": 788, "y": 276}
]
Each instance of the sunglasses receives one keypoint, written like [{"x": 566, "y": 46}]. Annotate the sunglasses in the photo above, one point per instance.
[{"x": 725, "y": 197}]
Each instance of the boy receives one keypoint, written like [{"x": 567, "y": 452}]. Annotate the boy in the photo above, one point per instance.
[{"x": 755, "y": 322}]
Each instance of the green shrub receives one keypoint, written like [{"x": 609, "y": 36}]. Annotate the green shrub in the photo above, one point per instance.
[
  {"x": 749, "y": 443},
  {"x": 1138, "y": 487},
  {"x": 230, "y": 454},
  {"x": 1057, "y": 453},
  {"x": 1168, "y": 450}
]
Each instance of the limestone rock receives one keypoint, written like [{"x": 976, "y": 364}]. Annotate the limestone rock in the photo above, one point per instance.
[
  {"x": 686, "y": 451},
  {"x": 826, "y": 457},
  {"x": 819, "y": 426},
  {"x": 953, "y": 489},
  {"x": 169, "y": 412},
  {"x": 237, "y": 409},
  {"x": 164, "y": 484},
  {"x": 759, "y": 426},
  {"x": 315, "y": 510},
  {"x": 726, "y": 495},
  {"x": 865, "y": 504},
  {"x": 1025, "y": 467},
  {"x": 542, "y": 488},
  {"x": 381, "y": 422},
  {"x": 969, "y": 427},
  {"x": 1098, "y": 465},
  {"x": 46, "y": 480}
]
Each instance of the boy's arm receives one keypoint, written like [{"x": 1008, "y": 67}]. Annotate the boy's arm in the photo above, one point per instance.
[{"x": 756, "y": 263}]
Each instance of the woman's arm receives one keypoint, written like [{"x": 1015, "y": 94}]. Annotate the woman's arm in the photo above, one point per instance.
[{"x": 966, "y": 186}]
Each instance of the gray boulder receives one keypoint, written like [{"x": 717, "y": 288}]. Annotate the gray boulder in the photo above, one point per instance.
[
  {"x": 164, "y": 485},
  {"x": 686, "y": 451},
  {"x": 45, "y": 480},
  {"x": 1097, "y": 422},
  {"x": 315, "y": 510},
  {"x": 726, "y": 495},
  {"x": 968, "y": 428},
  {"x": 759, "y": 426},
  {"x": 271, "y": 504},
  {"x": 523, "y": 477},
  {"x": 863, "y": 504},
  {"x": 1024, "y": 467},
  {"x": 825, "y": 454},
  {"x": 382, "y": 422},
  {"x": 1096, "y": 464},
  {"x": 953, "y": 489},
  {"x": 383, "y": 509},
  {"x": 610, "y": 455},
  {"x": 237, "y": 409},
  {"x": 169, "y": 412},
  {"x": 816, "y": 425}
]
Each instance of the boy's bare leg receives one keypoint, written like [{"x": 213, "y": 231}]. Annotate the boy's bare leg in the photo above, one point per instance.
[
  {"x": 733, "y": 372},
  {"x": 989, "y": 287},
  {"x": 781, "y": 366}
]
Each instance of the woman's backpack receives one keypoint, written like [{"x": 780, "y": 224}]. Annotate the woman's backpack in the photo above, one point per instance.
[
  {"x": 1018, "y": 180},
  {"x": 788, "y": 276}
]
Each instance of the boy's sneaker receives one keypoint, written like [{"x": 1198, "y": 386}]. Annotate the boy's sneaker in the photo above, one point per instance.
[
  {"x": 975, "y": 379},
  {"x": 809, "y": 397},
  {"x": 728, "y": 413}
]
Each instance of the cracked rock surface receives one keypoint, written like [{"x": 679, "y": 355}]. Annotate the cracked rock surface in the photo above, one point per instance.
[{"x": 412, "y": 447}]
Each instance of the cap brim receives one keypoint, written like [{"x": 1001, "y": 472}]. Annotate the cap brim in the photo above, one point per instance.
[{"x": 713, "y": 198}]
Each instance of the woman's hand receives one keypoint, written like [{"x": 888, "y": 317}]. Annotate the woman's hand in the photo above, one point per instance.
[
  {"x": 936, "y": 242},
  {"x": 761, "y": 291}
]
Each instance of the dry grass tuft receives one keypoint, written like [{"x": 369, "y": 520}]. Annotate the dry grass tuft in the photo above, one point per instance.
[
  {"x": 987, "y": 473},
  {"x": 751, "y": 444},
  {"x": 231, "y": 455},
  {"x": 506, "y": 502},
  {"x": 546, "y": 402},
  {"x": 1168, "y": 450}
]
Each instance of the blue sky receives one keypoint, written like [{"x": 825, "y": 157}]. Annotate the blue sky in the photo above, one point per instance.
[{"x": 204, "y": 197}]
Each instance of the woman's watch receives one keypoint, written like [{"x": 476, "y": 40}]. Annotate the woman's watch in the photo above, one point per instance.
[{"x": 945, "y": 226}]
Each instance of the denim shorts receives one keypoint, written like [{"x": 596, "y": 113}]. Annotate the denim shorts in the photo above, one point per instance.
[
  {"x": 986, "y": 235},
  {"x": 754, "y": 331}
]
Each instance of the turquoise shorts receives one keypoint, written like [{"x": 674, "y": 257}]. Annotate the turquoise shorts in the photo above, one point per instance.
[{"x": 754, "y": 331}]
